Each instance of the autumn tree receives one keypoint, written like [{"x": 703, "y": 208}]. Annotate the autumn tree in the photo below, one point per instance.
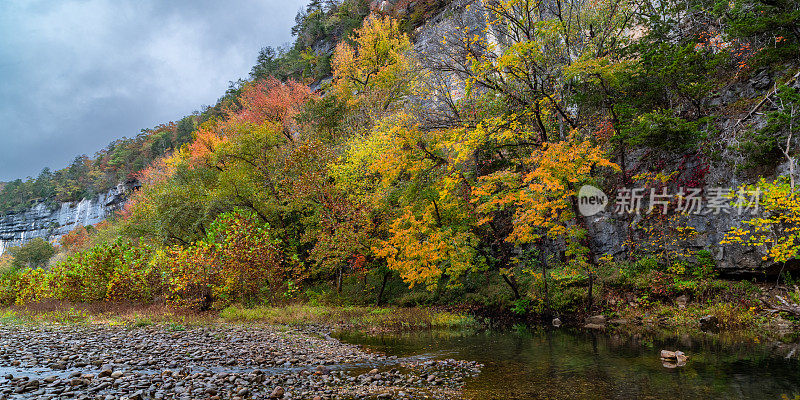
[
  {"x": 776, "y": 231},
  {"x": 76, "y": 239},
  {"x": 374, "y": 73},
  {"x": 543, "y": 198}
]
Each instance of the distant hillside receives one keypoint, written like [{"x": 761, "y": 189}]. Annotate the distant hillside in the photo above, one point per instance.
[
  {"x": 318, "y": 27},
  {"x": 88, "y": 176}
]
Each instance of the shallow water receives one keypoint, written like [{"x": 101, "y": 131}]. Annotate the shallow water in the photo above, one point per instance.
[{"x": 570, "y": 364}]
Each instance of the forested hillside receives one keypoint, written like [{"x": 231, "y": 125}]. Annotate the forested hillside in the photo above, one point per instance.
[
  {"x": 443, "y": 159},
  {"x": 87, "y": 176}
]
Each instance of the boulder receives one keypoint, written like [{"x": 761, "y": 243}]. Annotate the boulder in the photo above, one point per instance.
[
  {"x": 596, "y": 319},
  {"x": 672, "y": 359}
]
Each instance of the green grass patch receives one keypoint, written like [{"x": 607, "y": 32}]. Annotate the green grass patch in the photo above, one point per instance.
[{"x": 389, "y": 318}]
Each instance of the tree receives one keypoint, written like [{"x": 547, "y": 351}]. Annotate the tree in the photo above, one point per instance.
[
  {"x": 543, "y": 199},
  {"x": 35, "y": 253},
  {"x": 76, "y": 239},
  {"x": 266, "y": 64},
  {"x": 777, "y": 230},
  {"x": 374, "y": 74},
  {"x": 183, "y": 132},
  {"x": 239, "y": 260}
]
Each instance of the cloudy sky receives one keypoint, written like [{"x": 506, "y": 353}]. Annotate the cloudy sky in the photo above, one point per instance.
[{"x": 75, "y": 75}]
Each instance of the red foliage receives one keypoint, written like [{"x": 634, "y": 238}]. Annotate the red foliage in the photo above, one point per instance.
[
  {"x": 271, "y": 100},
  {"x": 75, "y": 239}
]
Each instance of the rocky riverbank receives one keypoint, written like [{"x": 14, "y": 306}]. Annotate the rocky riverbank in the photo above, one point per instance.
[{"x": 210, "y": 362}]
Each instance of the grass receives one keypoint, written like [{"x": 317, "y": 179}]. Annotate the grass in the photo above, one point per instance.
[
  {"x": 102, "y": 314},
  {"x": 355, "y": 317},
  {"x": 380, "y": 318}
]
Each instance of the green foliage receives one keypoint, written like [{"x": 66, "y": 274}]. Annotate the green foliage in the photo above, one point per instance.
[
  {"x": 704, "y": 265},
  {"x": 521, "y": 306},
  {"x": 771, "y": 26},
  {"x": 759, "y": 148},
  {"x": 318, "y": 27},
  {"x": 777, "y": 139},
  {"x": 34, "y": 253},
  {"x": 87, "y": 176},
  {"x": 238, "y": 261},
  {"x": 661, "y": 129}
]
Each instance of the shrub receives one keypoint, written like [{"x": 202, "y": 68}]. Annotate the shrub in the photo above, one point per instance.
[
  {"x": 414, "y": 299},
  {"x": 238, "y": 261},
  {"x": 106, "y": 271},
  {"x": 8, "y": 286},
  {"x": 704, "y": 266},
  {"x": 34, "y": 253}
]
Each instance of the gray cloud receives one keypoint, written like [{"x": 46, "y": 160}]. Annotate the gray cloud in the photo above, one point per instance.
[{"x": 75, "y": 75}]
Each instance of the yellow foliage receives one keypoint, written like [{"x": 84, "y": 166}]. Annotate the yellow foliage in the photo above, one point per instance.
[
  {"x": 375, "y": 72},
  {"x": 422, "y": 251},
  {"x": 542, "y": 197},
  {"x": 777, "y": 229}
]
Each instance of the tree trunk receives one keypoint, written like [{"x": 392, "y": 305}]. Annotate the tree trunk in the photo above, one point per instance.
[
  {"x": 383, "y": 287},
  {"x": 512, "y": 283},
  {"x": 591, "y": 285},
  {"x": 339, "y": 280},
  {"x": 543, "y": 261}
]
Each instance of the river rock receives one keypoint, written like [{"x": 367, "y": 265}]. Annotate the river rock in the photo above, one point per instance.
[
  {"x": 668, "y": 355},
  {"x": 681, "y": 301},
  {"x": 154, "y": 370},
  {"x": 277, "y": 393},
  {"x": 672, "y": 359},
  {"x": 709, "y": 323},
  {"x": 595, "y": 322}
]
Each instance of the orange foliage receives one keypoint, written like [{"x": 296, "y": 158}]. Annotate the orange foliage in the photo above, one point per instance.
[
  {"x": 273, "y": 101},
  {"x": 75, "y": 239}
]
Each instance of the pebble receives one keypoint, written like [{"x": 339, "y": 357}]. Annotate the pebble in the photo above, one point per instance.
[{"x": 215, "y": 362}]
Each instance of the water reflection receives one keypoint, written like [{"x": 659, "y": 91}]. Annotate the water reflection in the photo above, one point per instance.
[{"x": 565, "y": 364}]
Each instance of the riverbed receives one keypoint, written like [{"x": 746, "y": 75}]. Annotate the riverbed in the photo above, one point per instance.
[
  {"x": 211, "y": 362},
  {"x": 264, "y": 361}
]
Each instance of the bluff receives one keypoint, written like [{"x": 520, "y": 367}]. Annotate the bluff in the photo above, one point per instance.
[
  {"x": 739, "y": 105},
  {"x": 50, "y": 223}
]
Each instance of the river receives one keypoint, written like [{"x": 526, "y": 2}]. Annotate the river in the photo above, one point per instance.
[{"x": 538, "y": 363}]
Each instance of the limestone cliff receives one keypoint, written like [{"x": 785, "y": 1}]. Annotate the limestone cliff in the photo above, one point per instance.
[{"x": 51, "y": 223}]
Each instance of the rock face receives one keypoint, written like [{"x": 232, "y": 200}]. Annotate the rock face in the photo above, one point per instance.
[
  {"x": 50, "y": 224},
  {"x": 608, "y": 230}
]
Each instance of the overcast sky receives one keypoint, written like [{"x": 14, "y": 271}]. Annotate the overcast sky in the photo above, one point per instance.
[{"x": 75, "y": 75}]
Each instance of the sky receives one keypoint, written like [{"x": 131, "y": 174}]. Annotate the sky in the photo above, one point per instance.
[{"x": 76, "y": 75}]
